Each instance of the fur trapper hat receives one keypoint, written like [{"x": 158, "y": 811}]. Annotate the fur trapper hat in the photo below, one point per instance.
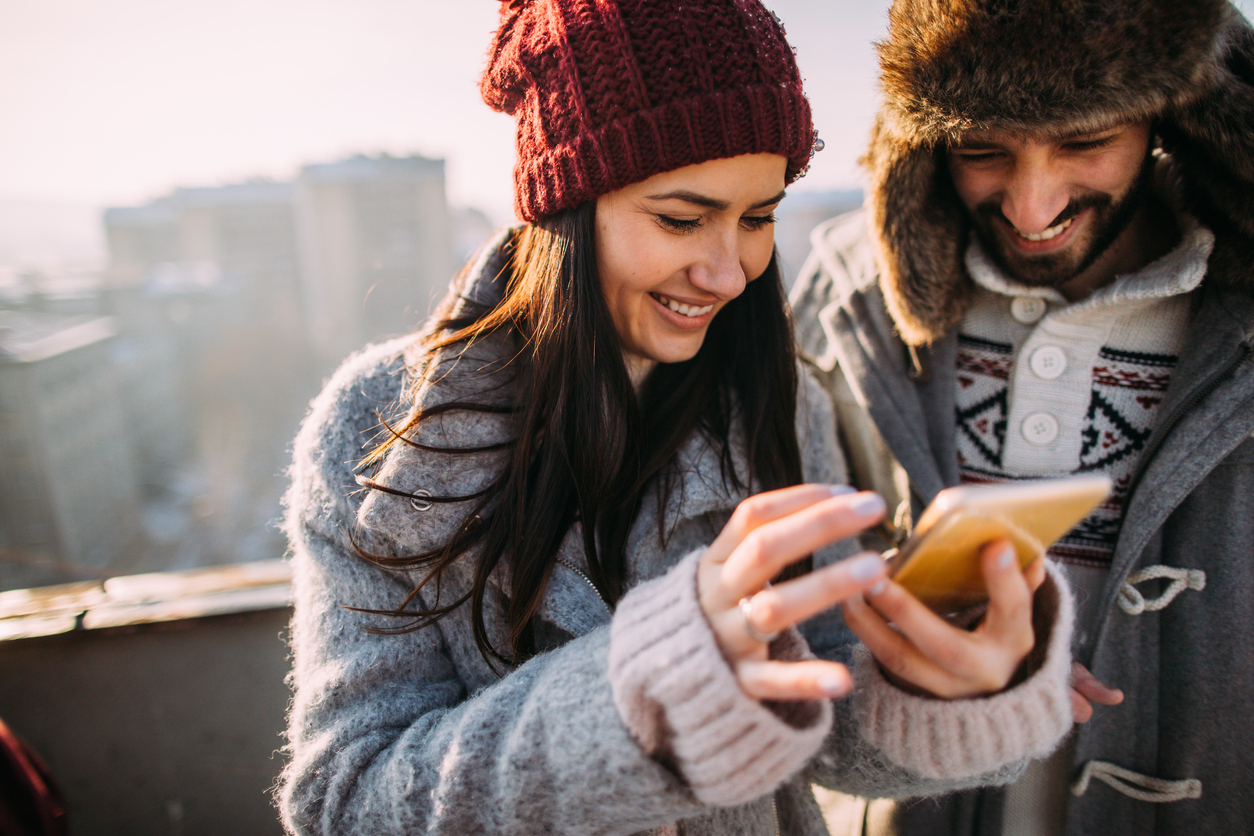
[{"x": 1043, "y": 67}]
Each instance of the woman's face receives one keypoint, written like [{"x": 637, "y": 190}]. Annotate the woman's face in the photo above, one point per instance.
[{"x": 674, "y": 249}]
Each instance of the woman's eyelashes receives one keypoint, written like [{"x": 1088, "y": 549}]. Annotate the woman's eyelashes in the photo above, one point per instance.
[
  {"x": 679, "y": 224},
  {"x": 752, "y": 223},
  {"x": 755, "y": 222}
]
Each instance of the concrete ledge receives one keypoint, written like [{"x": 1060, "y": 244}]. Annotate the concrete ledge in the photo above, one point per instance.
[{"x": 145, "y": 599}]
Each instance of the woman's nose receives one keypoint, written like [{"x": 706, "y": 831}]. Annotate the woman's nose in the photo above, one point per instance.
[{"x": 720, "y": 270}]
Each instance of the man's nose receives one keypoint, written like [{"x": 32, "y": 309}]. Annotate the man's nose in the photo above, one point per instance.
[{"x": 1034, "y": 197}]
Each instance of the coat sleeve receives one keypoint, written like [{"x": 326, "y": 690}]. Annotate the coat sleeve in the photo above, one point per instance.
[
  {"x": 886, "y": 742},
  {"x": 402, "y": 734}
]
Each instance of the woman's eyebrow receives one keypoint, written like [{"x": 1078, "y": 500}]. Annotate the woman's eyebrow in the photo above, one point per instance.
[{"x": 710, "y": 202}]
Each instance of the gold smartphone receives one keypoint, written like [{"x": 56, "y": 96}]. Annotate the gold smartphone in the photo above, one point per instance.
[{"x": 940, "y": 562}]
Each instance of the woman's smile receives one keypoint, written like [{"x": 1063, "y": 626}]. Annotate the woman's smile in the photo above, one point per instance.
[{"x": 672, "y": 250}]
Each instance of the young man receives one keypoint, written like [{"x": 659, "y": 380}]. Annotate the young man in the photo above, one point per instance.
[{"x": 1054, "y": 273}]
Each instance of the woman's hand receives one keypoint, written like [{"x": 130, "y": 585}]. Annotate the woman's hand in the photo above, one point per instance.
[
  {"x": 766, "y": 533},
  {"x": 918, "y": 648}
]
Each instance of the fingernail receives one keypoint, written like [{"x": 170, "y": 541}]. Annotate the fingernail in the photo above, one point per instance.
[
  {"x": 1007, "y": 557},
  {"x": 867, "y": 504},
  {"x": 865, "y": 566},
  {"x": 841, "y": 490},
  {"x": 833, "y": 685},
  {"x": 878, "y": 588}
]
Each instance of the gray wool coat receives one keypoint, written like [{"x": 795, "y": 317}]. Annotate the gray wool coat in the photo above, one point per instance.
[
  {"x": 628, "y": 721},
  {"x": 1188, "y": 669}
]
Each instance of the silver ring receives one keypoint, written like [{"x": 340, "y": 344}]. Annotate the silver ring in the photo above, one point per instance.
[
  {"x": 746, "y": 611},
  {"x": 419, "y": 502}
]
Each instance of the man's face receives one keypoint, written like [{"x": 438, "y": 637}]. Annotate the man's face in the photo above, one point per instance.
[{"x": 1047, "y": 209}]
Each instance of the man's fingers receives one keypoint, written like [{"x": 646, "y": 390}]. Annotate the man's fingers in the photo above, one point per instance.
[
  {"x": 813, "y": 680},
  {"x": 1087, "y": 689},
  {"x": 1093, "y": 689},
  {"x": 1081, "y": 709}
]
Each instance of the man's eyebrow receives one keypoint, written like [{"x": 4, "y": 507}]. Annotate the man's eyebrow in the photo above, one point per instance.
[
  {"x": 1070, "y": 135},
  {"x": 709, "y": 202},
  {"x": 973, "y": 144},
  {"x": 982, "y": 143}
]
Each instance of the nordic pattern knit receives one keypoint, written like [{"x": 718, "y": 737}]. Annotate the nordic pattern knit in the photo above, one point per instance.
[
  {"x": 1047, "y": 388},
  {"x": 625, "y": 722}
]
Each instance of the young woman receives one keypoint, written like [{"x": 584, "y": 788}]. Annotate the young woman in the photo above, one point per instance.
[{"x": 550, "y": 553}]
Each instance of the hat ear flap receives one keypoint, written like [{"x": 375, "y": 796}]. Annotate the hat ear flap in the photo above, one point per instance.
[
  {"x": 1211, "y": 140},
  {"x": 920, "y": 229}
]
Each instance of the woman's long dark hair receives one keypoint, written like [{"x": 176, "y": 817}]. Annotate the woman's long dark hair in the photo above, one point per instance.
[{"x": 587, "y": 446}]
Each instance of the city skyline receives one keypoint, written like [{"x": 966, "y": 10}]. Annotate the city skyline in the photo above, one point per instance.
[{"x": 114, "y": 105}]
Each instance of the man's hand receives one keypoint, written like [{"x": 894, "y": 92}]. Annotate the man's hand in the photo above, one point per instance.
[{"x": 1087, "y": 689}]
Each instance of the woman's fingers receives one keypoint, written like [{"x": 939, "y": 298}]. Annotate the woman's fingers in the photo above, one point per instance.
[
  {"x": 926, "y": 651},
  {"x": 772, "y": 546},
  {"x": 1008, "y": 621},
  {"x": 763, "y": 508},
  {"x": 787, "y": 681},
  {"x": 1034, "y": 573},
  {"x": 782, "y": 605},
  {"x": 766, "y": 533},
  {"x": 899, "y": 658}
]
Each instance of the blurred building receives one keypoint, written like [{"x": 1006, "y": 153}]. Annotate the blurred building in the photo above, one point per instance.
[
  {"x": 227, "y": 308},
  {"x": 69, "y": 500},
  {"x": 798, "y": 215},
  {"x": 376, "y": 248}
]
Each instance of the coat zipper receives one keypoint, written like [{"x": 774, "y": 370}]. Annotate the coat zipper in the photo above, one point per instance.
[{"x": 589, "y": 582}]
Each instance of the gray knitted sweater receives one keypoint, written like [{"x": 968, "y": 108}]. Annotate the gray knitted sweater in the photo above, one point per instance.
[{"x": 628, "y": 721}]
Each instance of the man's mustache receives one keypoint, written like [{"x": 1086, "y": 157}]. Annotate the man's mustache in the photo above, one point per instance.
[{"x": 991, "y": 209}]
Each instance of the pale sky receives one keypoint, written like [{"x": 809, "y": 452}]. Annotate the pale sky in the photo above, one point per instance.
[{"x": 114, "y": 102}]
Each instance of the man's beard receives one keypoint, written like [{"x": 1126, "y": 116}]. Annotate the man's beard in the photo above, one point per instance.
[{"x": 1110, "y": 220}]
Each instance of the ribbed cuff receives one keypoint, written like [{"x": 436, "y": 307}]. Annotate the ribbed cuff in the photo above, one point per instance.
[
  {"x": 952, "y": 739},
  {"x": 681, "y": 700}
]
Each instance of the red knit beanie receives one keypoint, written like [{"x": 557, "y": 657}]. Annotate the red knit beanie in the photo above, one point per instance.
[{"x": 610, "y": 92}]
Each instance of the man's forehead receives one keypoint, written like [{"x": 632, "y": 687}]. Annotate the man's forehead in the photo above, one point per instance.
[{"x": 976, "y": 137}]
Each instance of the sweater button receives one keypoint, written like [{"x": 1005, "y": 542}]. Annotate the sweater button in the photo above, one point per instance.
[
  {"x": 1048, "y": 362},
  {"x": 1027, "y": 309},
  {"x": 1040, "y": 428}
]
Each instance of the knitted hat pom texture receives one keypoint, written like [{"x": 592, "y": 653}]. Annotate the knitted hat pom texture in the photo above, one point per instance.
[{"x": 605, "y": 94}]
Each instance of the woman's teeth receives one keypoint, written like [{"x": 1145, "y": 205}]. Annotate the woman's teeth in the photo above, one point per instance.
[
  {"x": 682, "y": 309},
  {"x": 1046, "y": 234}
]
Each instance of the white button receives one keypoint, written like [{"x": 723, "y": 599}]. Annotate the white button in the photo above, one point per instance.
[
  {"x": 1040, "y": 428},
  {"x": 1048, "y": 362},
  {"x": 1027, "y": 309}
]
